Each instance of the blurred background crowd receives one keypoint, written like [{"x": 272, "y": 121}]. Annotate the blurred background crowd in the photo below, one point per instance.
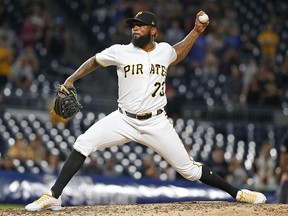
[{"x": 228, "y": 99}]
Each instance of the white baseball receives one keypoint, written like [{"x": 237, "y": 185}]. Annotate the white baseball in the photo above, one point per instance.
[{"x": 204, "y": 18}]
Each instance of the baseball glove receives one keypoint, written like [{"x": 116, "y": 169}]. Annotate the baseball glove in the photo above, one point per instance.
[{"x": 66, "y": 104}]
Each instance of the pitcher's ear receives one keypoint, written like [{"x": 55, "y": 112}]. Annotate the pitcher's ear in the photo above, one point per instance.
[{"x": 154, "y": 32}]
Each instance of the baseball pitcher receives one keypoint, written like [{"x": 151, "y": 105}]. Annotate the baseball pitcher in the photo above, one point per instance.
[{"x": 142, "y": 69}]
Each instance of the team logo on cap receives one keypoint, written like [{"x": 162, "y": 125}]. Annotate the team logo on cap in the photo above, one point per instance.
[{"x": 138, "y": 14}]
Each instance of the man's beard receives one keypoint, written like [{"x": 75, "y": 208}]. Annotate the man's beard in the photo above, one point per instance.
[{"x": 142, "y": 41}]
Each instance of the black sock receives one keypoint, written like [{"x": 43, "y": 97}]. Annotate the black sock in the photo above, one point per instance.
[
  {"x": 71, "y": 166},
  {"x": 211, "y": 178}
]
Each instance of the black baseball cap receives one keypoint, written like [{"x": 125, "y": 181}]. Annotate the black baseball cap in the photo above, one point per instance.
[{"x": 144, "y": 17}]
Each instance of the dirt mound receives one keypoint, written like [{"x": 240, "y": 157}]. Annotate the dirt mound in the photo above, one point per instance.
[{"x": 164, "y": 209}]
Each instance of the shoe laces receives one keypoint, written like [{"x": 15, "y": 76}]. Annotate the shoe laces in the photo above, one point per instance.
[
  {"x": 43, "y": 198},
  {"x": 247, "y": 196}
]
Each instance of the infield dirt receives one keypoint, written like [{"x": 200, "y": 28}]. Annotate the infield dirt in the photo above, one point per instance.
[{"x": 164, "y": 209}]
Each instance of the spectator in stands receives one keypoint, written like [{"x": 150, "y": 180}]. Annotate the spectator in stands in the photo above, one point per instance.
[
  {"x": 20, "y": 150},
  {"x": 197, "y": 53},
  {"x": 232, "y": 38},
  {"x": 247, "y": 47},
  {"x": 8, "y": 33},
  {"x": 39, "y": 17},
  {"x": 210, "y": 64},
  {"x": 149, "y": 168},
  {"x": 263, "y": 89},
  {"x": 93, "y": 167},
  {"x": 251, "y": 93},
  {"x": 174, "y": 32},
  {"x": 215, "y": 37},
  {"x": 109, "y": 169},
  {"x": 270, "y": 93},
  {"x": 283, "y": 189},
  {"x": 57, "y": 41},
  {"x": 53, "y": 161},
  {"x": 268, "y": 40},
  {"x": 228, "y": 19},
  {"x": 39, "y": 151},
  {"x": 29, "y": 34},
  {"x": 218, "y": 162},
  {"x": 234, "y": 85},
  {"x": 7, "y": 164},
  {"x": 282, "y": 76},
  {"x": 24, "y": 69},
  {"x": 248, "y": 69},
  {"x": 237, "y": 173},
  {"x": 6, "y": 58},
  {"x": 265, "y": 166},
  {"x": 230, "y": 57}
]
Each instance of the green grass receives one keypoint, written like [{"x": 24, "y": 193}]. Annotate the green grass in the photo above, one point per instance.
[{"x": 10, "y": 206}]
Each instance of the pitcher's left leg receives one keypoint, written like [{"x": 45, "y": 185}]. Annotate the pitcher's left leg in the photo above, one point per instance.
[{"x": 163, "y": 138}]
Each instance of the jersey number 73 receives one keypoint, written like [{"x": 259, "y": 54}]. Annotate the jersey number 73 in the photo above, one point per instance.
[{"x": 159, "y": 87}]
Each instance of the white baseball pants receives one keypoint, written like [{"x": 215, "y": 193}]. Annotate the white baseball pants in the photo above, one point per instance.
[{"x": 156, "y": 133}]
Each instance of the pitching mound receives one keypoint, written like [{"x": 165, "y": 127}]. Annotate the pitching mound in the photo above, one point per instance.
[{"x": 160, "y": 209}]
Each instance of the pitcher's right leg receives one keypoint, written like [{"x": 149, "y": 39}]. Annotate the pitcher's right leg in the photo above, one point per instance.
[{"x": 109, "y": 131}]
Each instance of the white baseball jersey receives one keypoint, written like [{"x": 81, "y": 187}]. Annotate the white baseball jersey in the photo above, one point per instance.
[{"x": 141, "y": 75}]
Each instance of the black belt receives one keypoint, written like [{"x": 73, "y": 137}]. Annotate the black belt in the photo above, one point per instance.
[{"x": 143, "y": 116}]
